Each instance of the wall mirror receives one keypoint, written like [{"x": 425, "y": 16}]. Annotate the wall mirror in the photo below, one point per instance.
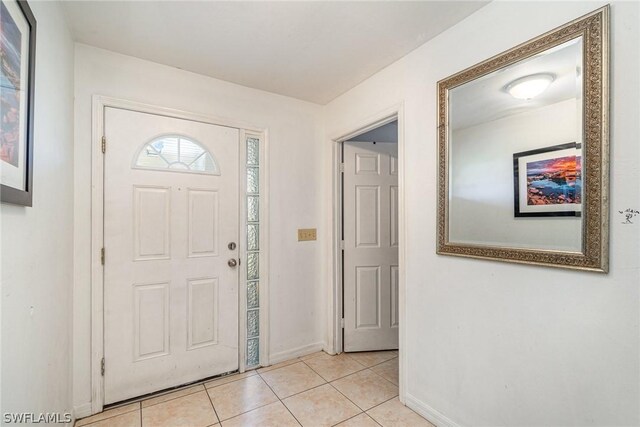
[{"x": 523, "y": 152}]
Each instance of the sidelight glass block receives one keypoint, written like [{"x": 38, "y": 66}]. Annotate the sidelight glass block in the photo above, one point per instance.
[
  {"x": 253, "y": 323},
  {"x": 253, "y": 186},
  {"x": 253, "y": 246},
  {"x": 253, "y": 151},
  {"x": 252, "y": 265},
  {"x": 253, "y": 237},
  {"x": 253, "y": 210},
  {"x": 253, "y": 299},
  {"x": 253, "y": 355}
]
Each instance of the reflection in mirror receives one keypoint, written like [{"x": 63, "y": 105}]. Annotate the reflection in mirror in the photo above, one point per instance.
[
  {"x": 515, "y": 154},
  {"x": 523, "y": 145}
]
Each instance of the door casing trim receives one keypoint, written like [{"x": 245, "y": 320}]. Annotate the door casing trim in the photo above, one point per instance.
[
  {"x": 335, "y": 302},
  {"x": 99, "y": 104}
]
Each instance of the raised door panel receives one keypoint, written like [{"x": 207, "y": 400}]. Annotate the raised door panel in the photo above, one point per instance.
[
  {"x": 367, "y": 216},
  {"x": 151, "y": 320},
  {"x": 393, "y": 215},
  {"x": 203, "y": 223},
  {"x": 202, "y": 313},
  {"x": 367, "y": 164},
  {"x": 393, "y": 165},
  {"x": 152, "y": 219},
  {"x": 394, "y": 296},
  {"x": 367, "y": 297}
]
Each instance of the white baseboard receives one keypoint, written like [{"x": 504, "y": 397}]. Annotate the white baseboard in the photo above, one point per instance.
[
  {"x": 82, "y": 411},
  {"x": 295, "y": 352},
  {"x": 436, "y": 418}
]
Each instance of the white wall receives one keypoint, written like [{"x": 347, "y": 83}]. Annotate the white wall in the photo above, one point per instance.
[
  {"x": 296, "y": 294},
  {"x": 490, "y": 343},
  {"x": 481, "y": 205},
  {"x": 37, "y": 242}
]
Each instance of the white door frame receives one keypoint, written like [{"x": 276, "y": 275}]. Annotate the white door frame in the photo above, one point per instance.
[
  {"x": 335, "y": 308},
  {"x": 97, "y": 232}
]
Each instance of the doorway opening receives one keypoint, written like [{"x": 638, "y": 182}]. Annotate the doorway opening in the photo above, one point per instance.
[
  {"x": 370, "y": 240},
  {"x": 367, "y": 303}
]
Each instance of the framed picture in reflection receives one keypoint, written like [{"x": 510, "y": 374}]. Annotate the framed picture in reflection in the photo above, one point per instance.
[
  {"x": 548, "y": 181},
  {"x": 17, "y": 71}
]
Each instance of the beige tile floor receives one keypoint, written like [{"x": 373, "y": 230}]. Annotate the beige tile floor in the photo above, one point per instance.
[{"x": 349, "y": 390}]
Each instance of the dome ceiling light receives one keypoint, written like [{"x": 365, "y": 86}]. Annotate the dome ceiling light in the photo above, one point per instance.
[{"x": 529, "y": 87}]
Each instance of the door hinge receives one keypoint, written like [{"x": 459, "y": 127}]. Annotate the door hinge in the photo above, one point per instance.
[
  {"x": 342, "y": 167},
  {"x": 104, "y": 144},
  {"x": 341, "y": 324},
  {"x": 102, "y": 367},
  {"x": 342, "y": 244},
  {"x": 102, "y": 256}
]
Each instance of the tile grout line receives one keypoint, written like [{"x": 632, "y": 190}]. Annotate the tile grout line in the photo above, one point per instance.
[
  {"x": 380, "y": 404},
  {"x": 360, "y": 370},
  {"x": 356, "y": 372},
  {"x": 109, "y": 417},
  {"x": 213, "y": 406},
  {"x": 280, "y": 400},
  {"x": 361, "y": 413},
  {"x": 173, "y": 398},
  {"x": 354, "y": 403},
  {"x": 332, "y": 386}
]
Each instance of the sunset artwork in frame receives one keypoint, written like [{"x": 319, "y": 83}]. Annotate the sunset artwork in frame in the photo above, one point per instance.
[
  {"x": 548, "y": 181},
  {"x": 17, "y": 71}
]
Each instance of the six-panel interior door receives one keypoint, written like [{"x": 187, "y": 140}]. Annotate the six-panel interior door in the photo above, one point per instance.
[
  {"x": 170, "y": 295},
  {"x": 370, "y": 202}
]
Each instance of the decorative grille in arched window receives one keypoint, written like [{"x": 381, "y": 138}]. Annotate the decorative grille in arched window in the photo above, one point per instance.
[{"x": 177, "y": 154}]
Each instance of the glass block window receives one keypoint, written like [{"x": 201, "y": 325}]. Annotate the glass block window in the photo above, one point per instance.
[
  {"x": 178, "y": 154},
  {"x": 253, "y": 250}
]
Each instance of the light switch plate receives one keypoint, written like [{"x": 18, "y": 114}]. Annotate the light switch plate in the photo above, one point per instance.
[{"x": 305, "y": 234}]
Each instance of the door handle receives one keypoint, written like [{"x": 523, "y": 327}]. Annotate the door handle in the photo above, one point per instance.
[{"x": 232, "y": 262}]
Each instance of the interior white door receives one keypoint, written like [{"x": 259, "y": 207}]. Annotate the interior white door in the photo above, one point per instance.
[
  {"x": 370, "y": 265},
  {"x": 171, "y": 208}
]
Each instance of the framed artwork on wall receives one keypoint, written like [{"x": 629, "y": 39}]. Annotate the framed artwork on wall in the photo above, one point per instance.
[
  {"x": 548, "y": 181},
  {"x": 17, "y": 71}
]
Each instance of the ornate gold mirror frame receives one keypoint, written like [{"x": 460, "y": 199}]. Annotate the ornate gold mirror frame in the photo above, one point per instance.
[{"x": 594, "y": 30}]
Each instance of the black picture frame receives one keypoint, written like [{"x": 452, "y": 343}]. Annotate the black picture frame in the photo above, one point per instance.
[
  {"x": 10, "y": 194},
  {"x": 516, "y": 182}
]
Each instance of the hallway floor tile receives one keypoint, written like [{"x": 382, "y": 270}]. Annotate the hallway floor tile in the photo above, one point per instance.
[{"x": 349, "y": 390}]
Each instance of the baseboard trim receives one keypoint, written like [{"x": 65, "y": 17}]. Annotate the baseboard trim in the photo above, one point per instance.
[
  {"x": 295, "y": 352},
  {"x": 82, "y": 411},
  {"x": 436, "y": 418}
]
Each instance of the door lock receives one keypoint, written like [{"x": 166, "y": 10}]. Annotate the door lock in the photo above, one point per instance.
[
  {"x": 231, "y": 246},
  {"x": 232, "y": 262}
]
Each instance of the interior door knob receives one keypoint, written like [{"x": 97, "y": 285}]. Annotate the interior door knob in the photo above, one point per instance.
[{"x": 232, "y": 262}]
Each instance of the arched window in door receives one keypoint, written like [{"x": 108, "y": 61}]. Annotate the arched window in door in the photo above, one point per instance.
[{"x": 176, "y": 153}]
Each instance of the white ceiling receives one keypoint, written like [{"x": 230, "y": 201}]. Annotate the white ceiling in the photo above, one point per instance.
[
  {"x": 485, "y": 99},
  {"x": 313, "y": 50}
]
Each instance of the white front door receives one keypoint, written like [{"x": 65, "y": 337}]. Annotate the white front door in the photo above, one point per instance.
[
  {"x": 170, "y": 212},
  {"x": 370, "y": 246}
]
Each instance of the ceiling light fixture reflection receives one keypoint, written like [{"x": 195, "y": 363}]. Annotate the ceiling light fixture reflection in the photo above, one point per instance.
[{"x": 529, "y": 87}]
